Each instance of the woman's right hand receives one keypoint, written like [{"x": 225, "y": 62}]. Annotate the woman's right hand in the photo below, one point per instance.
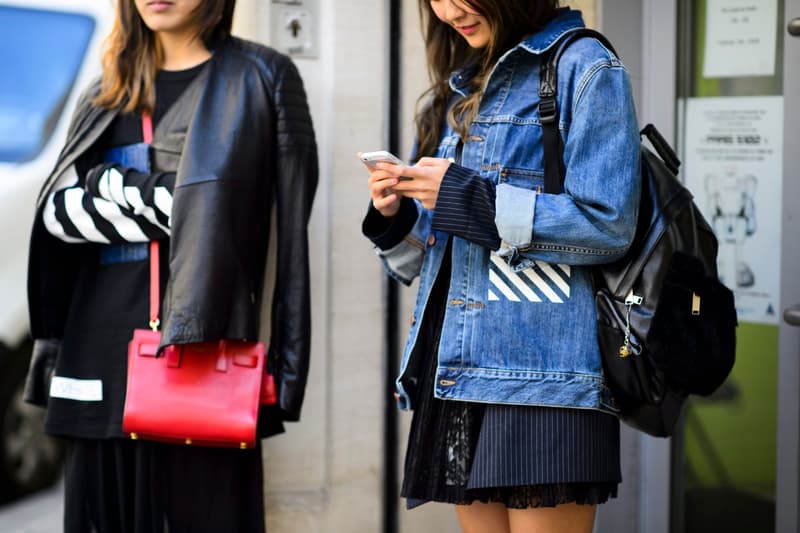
[{"x": 384, "y": 198}]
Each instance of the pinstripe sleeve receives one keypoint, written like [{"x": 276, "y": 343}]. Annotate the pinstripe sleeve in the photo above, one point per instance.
[
  {"x": 73, "y": 215},
  {"x": 465, "y": 207}
]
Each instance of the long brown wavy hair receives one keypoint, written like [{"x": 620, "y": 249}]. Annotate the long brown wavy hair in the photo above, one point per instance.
[
  {"x": 510, "y": 21},
  {"x": 132, "y": 55}
]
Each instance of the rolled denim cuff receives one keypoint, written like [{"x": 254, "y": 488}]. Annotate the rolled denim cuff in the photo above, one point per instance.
[
  {"x": 514, "y": 209},
  {"x": 403, "y": 262}
]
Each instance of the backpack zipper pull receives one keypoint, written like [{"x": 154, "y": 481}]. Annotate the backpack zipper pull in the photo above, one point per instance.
[{"x": 631, "y": 299}]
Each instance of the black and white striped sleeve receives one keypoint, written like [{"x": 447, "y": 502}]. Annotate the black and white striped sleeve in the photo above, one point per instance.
[{"x": 117, "y": 204}]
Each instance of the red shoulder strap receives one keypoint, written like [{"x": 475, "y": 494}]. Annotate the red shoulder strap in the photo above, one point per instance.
[{"x": 155, "y": 298}]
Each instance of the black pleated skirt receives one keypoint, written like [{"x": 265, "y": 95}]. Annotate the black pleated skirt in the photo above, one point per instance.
[{"x": 123, "y": 486}]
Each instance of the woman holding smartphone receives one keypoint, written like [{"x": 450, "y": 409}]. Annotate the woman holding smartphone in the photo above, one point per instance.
[
  {"x": 204, "y": 191},
  {"x": 513, "y": 423}
]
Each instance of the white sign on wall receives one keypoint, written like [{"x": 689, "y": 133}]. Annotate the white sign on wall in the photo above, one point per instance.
[
  {"x": 734, "y": 169},
  {"x": 741, "y": 38}
]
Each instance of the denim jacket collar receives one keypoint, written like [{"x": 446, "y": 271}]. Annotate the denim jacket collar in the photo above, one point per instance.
[{"x": 565, "y": 21}]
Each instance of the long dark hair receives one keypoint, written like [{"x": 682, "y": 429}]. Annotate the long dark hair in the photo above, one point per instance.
[
  {"x": 447, "y": 51},
  {"x": 132, "y": 54}
]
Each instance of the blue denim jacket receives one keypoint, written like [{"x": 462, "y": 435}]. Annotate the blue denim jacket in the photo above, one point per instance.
[{"x": 520, "y": 324}]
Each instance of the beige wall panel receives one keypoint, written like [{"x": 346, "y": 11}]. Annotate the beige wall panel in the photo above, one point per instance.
[
  {"x": 588, "y": 8},
  {"x": 324, "y": 473}
]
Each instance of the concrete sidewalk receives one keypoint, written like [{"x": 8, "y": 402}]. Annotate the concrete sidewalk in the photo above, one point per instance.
[{"x": 38, "y": 513}]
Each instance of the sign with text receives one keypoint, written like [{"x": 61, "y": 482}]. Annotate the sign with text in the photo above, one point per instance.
[
  {"x": 741, "y": 38},
  {"x": 734, "y": 169}
]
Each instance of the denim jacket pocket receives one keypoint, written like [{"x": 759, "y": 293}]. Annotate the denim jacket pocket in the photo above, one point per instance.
[{"x": 522, "y": 177}]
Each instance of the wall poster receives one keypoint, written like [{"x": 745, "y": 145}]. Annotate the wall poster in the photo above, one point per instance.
[
  {"x": 741, "y": 37},
  {"x": 734, "y": 168}
]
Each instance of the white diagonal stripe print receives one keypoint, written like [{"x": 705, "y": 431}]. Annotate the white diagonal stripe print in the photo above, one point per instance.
[
  {"x": 51, "y": 222},
  {"x": 502, "y": 287},
  {"x": 134, "y": 197},
  {"x": 127, "y": 228},
  {"x": 116, "y": 187},
  {"x": 163, "y": 200},
  {"x": 537, "y": 284},
  {"x": 514, "y": 278},
  {"x": 556, "y": 278},
  {"x": 537, "y": 280},
  {"x": 73, "y": 204}
]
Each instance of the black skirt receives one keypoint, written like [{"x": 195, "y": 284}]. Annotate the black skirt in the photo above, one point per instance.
[
  {"x": 124, "y": 486},
  {"x": 521, "y": 456}
]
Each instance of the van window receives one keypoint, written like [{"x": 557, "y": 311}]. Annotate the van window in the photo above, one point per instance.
[{"x": 40, "y": 55}]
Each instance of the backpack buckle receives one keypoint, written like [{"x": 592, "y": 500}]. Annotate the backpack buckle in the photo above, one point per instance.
[{"x": 548, "y": 110}]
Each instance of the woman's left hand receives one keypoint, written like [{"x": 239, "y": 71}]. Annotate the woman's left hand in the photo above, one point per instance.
[{"x": 421, "y": 181}]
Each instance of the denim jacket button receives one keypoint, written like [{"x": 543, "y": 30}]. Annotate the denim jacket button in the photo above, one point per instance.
[
  {"x": 431, "y": 240},
  {"x": 413, "y": 320}
]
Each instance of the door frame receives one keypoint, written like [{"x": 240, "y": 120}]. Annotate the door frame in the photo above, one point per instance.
[
  {"x": 645, "y": 496},
  {"x": 787, "y": 512}
]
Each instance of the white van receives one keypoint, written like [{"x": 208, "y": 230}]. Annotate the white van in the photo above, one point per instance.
[{"x": 49, "y": 51}]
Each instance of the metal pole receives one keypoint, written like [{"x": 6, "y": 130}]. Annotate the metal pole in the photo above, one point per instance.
[{"x": 391, "y": 322}]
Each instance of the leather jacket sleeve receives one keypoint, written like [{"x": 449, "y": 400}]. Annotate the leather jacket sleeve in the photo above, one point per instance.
[
  {"x": 295, "y": 185},
  {"x": 243, "y": 157}
]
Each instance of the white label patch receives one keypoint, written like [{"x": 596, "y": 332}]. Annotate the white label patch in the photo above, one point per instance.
[{"x": 85, "y": 390}]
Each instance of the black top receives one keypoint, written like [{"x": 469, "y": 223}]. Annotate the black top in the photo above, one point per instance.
[{"x": 110, "y": 300}]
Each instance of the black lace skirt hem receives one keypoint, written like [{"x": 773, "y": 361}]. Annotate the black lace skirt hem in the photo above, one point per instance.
[{"x": 521, "y": 497}]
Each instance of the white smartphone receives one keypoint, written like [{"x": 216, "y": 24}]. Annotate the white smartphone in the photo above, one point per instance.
[{"x": 370, "y": 158}]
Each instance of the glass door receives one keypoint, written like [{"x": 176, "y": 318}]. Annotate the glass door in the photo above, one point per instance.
[{"x": 735, "y": 460}]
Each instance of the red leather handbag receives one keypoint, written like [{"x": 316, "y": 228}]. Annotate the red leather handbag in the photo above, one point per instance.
[{"x": 204, "y": 394}]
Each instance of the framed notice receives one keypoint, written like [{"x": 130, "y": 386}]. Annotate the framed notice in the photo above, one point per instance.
[{"x": 741, "y": 38}]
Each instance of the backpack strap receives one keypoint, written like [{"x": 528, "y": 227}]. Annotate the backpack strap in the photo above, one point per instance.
[{"x": 554, "y": 169}]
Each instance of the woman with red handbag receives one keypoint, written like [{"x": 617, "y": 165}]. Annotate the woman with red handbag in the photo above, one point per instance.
[{"x": 232, "y": 137}]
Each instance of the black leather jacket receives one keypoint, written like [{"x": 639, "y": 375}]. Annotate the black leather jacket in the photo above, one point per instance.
[{"x": 241, "y": 144}]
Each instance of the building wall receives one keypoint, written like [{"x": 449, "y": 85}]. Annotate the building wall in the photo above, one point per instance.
[
  {"x": 324, "y": 473},
  {"x": 589, "y": 8}
]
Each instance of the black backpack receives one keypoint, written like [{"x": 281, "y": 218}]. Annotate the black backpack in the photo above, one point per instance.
[{"x": 666, "y": 325}]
